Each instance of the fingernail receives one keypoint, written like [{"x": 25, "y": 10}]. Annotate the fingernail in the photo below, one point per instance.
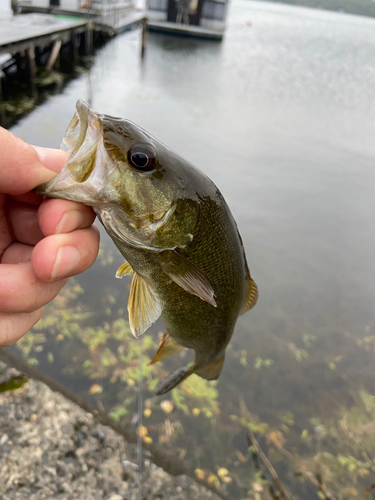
[
  {"x": 70, "y": 221},
  {"x": 66, "y": 263},
  {"x": 53, "y": 159}
]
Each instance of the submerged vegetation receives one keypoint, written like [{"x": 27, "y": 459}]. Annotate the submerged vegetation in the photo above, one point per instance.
[{"x": 272, "y": 428}]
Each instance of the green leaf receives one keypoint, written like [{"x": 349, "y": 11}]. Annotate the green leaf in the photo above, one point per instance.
[{"x": 118, "y": 413}]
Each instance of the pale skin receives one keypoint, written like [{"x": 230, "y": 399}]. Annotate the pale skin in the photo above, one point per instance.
[{"x": 42, "y": 242}]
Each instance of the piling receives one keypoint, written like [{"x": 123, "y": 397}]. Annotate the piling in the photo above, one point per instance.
[
  {"x": 89, "y": 38},
  {"x": 54, "y": 54},
  {"x": 144, "y": 36},
  {"x": 75, "y": 41},
  {"x": 30, "y": 54}
]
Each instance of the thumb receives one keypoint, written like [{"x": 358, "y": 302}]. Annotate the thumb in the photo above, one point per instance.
[{"x": 21, "y": 168}]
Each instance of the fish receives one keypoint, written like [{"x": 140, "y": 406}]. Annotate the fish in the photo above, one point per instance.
[{"x": 174, "y": 229}]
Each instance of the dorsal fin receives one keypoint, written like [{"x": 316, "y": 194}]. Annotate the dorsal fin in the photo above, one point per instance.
[
  {"x": 125, "y": 268},
  {"x": 144, "y": 306},
  {"x": 168, "y": 346},
  {"x": 188, "y": 276},
  {"x": 251, "y": 295}
]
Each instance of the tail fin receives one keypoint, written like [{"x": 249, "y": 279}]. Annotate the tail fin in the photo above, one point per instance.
[
  {"x": 209, "y": 372},
  {"x": 174, "y": 379}
]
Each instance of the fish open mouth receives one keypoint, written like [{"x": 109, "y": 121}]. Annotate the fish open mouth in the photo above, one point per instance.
[
  {"x": 81, "y": 140},
  {"x": 76, "y": 131}
]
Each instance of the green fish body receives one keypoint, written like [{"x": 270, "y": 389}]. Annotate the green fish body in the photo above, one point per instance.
[{"x": 173, "y": 227}]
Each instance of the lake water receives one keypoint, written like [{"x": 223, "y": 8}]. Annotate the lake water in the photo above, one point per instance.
[{"x": 281, "y": 116}]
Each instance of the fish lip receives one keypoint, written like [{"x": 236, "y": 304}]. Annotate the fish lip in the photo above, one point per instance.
[
  {"x": 76, "y": 132},
  {"x": 83, "y": 132},
  {"x": 81, "y": 140}
]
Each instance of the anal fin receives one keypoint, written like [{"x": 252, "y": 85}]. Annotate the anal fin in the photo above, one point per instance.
[
  {"x": 168, "y": 346},
  {"x": 144, "y": 305}
]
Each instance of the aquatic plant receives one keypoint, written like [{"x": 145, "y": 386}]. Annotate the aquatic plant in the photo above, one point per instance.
[{"x": 316, "y": 431}]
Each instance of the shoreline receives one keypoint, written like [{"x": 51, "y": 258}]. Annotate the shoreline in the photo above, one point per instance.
[{"x": 50, "y": 448}]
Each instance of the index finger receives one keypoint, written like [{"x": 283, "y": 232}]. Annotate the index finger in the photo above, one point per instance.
[{"x": 21, "y": 168}]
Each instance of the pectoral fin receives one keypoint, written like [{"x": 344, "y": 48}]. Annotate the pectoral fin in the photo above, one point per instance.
[
  {"x": 168, "y": 346},
  {"x": 125, "y": 268},
  {"x": 251, "y": 296},
  {"x": 144, "y": 306},
  {"x": 189, "y": 277}
]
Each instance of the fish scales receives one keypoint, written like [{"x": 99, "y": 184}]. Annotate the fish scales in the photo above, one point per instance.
[{"x": 173, "y": 227}]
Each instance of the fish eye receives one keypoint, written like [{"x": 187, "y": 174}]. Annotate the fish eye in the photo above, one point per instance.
[{"x": 141, "y": 158}]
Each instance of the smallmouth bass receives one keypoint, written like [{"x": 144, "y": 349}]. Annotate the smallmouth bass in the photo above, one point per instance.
[{"x": 173, "y": 227}]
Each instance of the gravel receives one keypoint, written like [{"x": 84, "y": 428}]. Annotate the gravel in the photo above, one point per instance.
[{"x": 52, "y": 449}]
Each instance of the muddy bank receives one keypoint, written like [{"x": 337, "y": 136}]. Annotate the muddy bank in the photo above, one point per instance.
[{"x": 51, "y": 449}]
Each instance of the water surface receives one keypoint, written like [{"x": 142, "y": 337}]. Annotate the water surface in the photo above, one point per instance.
[{"x": 281, "y": 116}]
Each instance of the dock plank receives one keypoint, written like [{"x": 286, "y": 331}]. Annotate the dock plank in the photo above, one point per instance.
[{"x": 27, "y": 27}]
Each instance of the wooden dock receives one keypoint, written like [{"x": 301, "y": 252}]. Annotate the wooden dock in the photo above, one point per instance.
[
  {"x": 107, "y": 18},
  {"x": 24, "y": 36},
  {"x": 24, "y": 33},
  {"x": 20, "y": 32}
]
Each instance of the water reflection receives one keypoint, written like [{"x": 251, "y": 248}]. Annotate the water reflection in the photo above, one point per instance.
[{"x": 281, "y": 117}]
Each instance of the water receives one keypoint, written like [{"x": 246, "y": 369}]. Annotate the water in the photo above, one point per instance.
[{"x": 281, "y": 116}]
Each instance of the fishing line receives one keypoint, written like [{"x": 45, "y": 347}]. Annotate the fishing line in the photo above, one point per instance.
[{"x": 140, "y": 423}]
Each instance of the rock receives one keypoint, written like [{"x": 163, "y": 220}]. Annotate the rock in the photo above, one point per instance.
[
  {"x": 126, "y": 465},
  {"x": 4, "y": 438},
  {"x": 58, "y": 451}
]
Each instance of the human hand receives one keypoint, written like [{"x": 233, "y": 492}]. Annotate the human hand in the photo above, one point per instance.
[{"x": 42, "y": 242}]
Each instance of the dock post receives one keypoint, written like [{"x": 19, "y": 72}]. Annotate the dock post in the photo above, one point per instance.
[
  {"x": 32, "y": 70},
  {"x": 75, "y": 44},
  {"x": 54, "y": 54},
  {"x": 144, "y": 35},
  {"x": 89, "y": 38},
  {"x": 31, "y": 61}
]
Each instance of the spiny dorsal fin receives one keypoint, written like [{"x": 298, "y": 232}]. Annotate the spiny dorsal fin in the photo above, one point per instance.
[
  {"x": 168, "y": 346},
  {"x": 189, "y": 277},
  {"x": 125, "y": 268},
  {"x": 144, "y": 306},
  {"x": 251, "y": 296}
]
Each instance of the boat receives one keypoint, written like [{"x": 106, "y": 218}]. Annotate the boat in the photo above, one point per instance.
[{"x": 194, "y": 18}]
